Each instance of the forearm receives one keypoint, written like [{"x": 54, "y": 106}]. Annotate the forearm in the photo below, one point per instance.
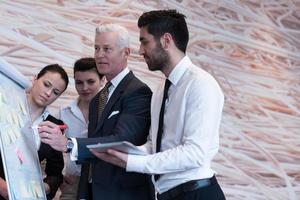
[{"x": 177, "y": 159}]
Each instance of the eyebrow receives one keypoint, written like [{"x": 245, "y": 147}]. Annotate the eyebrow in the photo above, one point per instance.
[
  {"x": 56, "y": 90},
  {"x": 103, "y": 45},
  {"x": 48, "y": 82}
]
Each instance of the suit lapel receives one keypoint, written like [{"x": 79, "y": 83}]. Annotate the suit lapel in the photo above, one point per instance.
[{"x": 113, "y": 99}]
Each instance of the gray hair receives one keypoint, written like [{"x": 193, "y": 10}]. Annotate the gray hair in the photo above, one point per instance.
[{"x": 123, "y": 39}]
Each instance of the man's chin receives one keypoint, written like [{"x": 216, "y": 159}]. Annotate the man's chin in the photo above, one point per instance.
[
  {"x": 153, "y": 68},
  {"x": 102, "y": 67}
]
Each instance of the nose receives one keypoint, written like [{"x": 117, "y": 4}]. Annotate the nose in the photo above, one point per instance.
[
  {"x": 48, "y": 92},
  {"x": 141, "y": 50},
  {"x": 99, "y": 53},
  {"x": 85, "y": 86}
]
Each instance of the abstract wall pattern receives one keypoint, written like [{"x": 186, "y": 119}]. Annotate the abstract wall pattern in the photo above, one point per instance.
[{"x": 252, "y": 47}]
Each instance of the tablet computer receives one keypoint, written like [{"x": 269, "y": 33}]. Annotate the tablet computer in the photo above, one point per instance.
[{"x": 123, "y": 146}]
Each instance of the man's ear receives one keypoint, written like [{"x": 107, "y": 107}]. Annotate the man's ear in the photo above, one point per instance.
[
  {"x": 166, "y": 40},
  {"x": 127, "y": 52}
]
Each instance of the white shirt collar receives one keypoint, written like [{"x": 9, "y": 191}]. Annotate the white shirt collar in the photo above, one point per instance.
[
  {"x": 45, "y": 114},
  {"x": 116, "y": 80},
  {"x": 36, "y": 122},
  {"x": 179, "y": 70},
  {"x": 73, "y": 104}
]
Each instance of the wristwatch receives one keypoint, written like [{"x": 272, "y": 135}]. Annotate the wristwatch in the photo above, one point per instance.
[{"x": 69, "y": 145}]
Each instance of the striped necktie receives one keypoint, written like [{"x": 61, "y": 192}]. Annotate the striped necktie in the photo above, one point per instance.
[{"x": 103, "y": 97}]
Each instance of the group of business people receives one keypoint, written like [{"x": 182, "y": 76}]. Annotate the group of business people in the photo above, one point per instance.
[{"x": 177, "y": 125}]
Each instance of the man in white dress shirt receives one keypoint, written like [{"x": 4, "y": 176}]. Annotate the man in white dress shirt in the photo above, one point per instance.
[{"x": 184, "y": 133}]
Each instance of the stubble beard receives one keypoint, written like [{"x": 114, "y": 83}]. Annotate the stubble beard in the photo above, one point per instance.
[{"x": 158, "y": 59}]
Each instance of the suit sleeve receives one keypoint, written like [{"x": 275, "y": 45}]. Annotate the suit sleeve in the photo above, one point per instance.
[{"x": 132, "y": 124}]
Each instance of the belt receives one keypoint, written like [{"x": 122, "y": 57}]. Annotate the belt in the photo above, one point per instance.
[{"x": 187, "y": 187}]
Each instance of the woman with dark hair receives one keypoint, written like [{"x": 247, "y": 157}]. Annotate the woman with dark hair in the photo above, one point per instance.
[
  {"x": 47, "y": 86},
  {"x": 88, "y": 82}
]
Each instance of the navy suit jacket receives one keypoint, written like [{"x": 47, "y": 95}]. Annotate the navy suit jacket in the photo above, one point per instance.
[{"x": 131, "y": 101}]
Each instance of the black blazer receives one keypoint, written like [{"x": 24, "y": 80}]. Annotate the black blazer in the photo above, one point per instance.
[
  {"x": 131, "y": 101},
  {"x": 54, "y": 164}
]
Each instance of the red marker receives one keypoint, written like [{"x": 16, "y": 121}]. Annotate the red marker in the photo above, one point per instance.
[{"x": 63, "y": 127}]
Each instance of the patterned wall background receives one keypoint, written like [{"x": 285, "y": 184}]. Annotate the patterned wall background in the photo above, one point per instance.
[{"x": 252, "y": 47}]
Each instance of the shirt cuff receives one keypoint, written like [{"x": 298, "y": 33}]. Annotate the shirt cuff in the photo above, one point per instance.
[
  {"x": 136, "y": 163},
  {"x": 74, "y": 152}
]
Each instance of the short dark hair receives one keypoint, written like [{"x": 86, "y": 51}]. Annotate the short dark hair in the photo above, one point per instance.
[
  {"x": 86, "y": 64},
  {"x": 56, "y": 68},
  {"x": 159, "y": 22}
]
